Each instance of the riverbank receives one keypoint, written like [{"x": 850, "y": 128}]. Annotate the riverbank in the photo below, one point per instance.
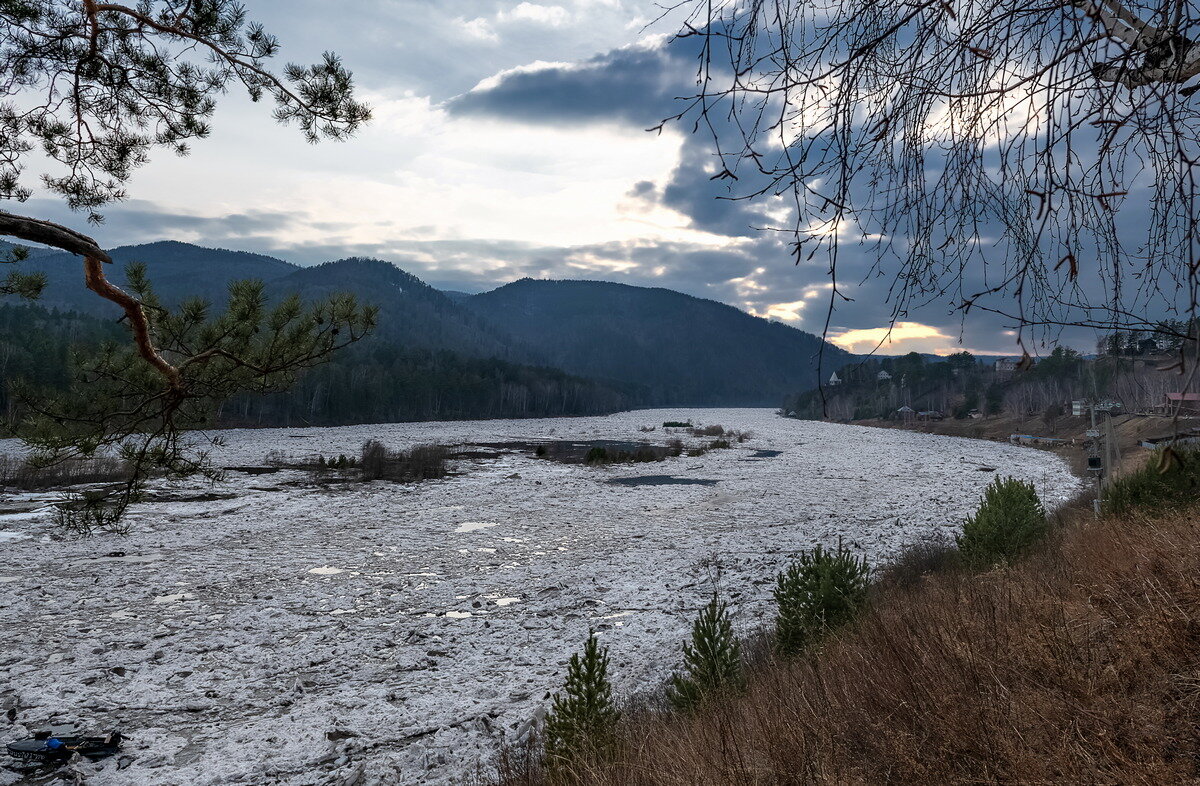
[
  {"x": 282, "y": 628},
  {"x": 1076, "y": 664},
  {"x": 1131, "y": 431}
]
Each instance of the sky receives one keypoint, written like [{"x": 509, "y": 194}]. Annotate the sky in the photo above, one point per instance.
[{"x": 509, "y": 139}]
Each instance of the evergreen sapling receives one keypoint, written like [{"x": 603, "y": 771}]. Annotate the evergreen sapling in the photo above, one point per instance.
[
  {"x": 1010, "y": 519},
  {"x": 817, "y": 593},
  {"x": 712, "y": 660},
  {"x": 583, "y": 717}
]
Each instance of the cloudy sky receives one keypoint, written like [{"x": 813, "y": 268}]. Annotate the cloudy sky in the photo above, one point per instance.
[{"x": 509, "y": 140}]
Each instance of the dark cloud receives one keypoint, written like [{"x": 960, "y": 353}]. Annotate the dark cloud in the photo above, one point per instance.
[{"x": 637, "y": 85}]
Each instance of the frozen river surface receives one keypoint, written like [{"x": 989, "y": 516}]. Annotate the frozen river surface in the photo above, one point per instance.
[{"x": 273, "y": 630}]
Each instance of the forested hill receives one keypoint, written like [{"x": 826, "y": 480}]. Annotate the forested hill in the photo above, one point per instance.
[
  {"x": 178, "y": 270},
  {"x": 375, "y": 381},
  {"x": 530, "y": 347},
  {"x": 685, "y": 349}
]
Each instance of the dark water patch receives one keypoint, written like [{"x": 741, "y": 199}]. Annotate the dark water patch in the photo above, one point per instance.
[
  {"x": 590, "y": 451},
  {"x": 766, "y": 453},
  {"x": 662, "y": 480},
  {"x": 253, "y": 470},
  {"x": 211, "y": 496},
  {"x": 477, "y": 454}
]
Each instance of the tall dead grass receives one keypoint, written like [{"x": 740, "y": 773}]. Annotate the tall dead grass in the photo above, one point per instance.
[
  {"x": 17, "y": 473},
  {"x": 1081, "y": 664}
]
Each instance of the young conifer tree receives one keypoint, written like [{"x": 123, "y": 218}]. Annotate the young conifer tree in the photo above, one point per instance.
[
  {"x": 583, "y": 717},
  {"x": 712, "y": 660},
  {"x": 820, "y": 591},
  {"x": 1010, "y": 519}
]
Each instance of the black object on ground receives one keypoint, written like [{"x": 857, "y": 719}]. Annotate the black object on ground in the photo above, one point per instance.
[
  {"x": 662, "y": 480},
  {"x": 46, "y": 748},
  {"x": 253, "y": 470}
]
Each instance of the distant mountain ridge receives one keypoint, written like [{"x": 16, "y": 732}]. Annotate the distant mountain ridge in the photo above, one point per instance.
[
  {"x": 658, "y": 345},
  {"x": 686, "y": 349}
]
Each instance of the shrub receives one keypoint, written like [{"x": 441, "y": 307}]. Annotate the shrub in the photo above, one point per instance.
[
  {"x": 712, "y": 660},
  {"x": 583, "y": 718},
  {"x": 1168, "y": 480},
  {"x": 719, "y": 444},
  {"x": 596, "y": 456},
  {"x": 19, "y": 473},
  {"x": 715, "y": 430},
  {"x": 374, "y": 459},
  {"x": 1010, "y": 519},
  {"x": 817, "y": 593},
  {"x": 422, "y": 462},
  {"x": 675, "y": 447},
  {"x": 934, "y": 554}
]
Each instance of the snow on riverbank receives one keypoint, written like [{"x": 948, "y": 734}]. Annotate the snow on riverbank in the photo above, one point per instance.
[{"x": 273, "y": 630}]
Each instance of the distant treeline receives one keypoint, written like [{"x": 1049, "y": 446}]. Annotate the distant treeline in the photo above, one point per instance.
[
  {"x": 373, "y": 382},
  {"x": 959, "y": 385},
  {"x": 36, "y": 343},
  {"x": 381, "y": 383}
]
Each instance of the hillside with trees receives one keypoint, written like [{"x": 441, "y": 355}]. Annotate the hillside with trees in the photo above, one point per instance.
[
  {"x": 376, "y": 381},
  {"x": 530, "y": 348},
  {"x": 686, "y": 350}
]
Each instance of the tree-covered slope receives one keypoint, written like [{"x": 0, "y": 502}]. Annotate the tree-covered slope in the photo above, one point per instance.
[
  {"x": 178, "y": 271},
  {"x": 644, "y": 346},
  {"x": 684, "y": 349},
  {"x": 375, "y": 381}
]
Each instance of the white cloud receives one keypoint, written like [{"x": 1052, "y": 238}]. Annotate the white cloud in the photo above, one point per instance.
[
  {"x": 418, "y": 168},
  {"x": 479, "y": 29},
  {"x": 522, "y": 15},
  {"x": 549, "y": 15},
  {"x": 901, "y": 338}
]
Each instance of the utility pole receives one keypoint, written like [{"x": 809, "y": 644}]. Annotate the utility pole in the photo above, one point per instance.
[{"x": 1095, "y": 464}]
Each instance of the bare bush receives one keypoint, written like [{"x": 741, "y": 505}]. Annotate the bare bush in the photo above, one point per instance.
[
  {"x": 20, "y": 474},
  {"x": 422, "y": 462},
  {"x": 934, "y": 554}
]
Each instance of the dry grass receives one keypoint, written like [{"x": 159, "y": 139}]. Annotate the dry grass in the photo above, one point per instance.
[
  {"x": 16, "y": 473},
  {"x": 1079, "y": 665}
]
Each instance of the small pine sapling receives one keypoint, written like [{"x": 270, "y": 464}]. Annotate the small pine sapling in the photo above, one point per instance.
[
  {"x": 582, "y": 718},
  {"x": 819, "y": 592},
  {"x": 712, "y": 660},
  {"x": 1010, "y": 519}
]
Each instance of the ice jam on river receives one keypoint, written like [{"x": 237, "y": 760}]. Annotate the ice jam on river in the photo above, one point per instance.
[{"x": 272, "y": 629}]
